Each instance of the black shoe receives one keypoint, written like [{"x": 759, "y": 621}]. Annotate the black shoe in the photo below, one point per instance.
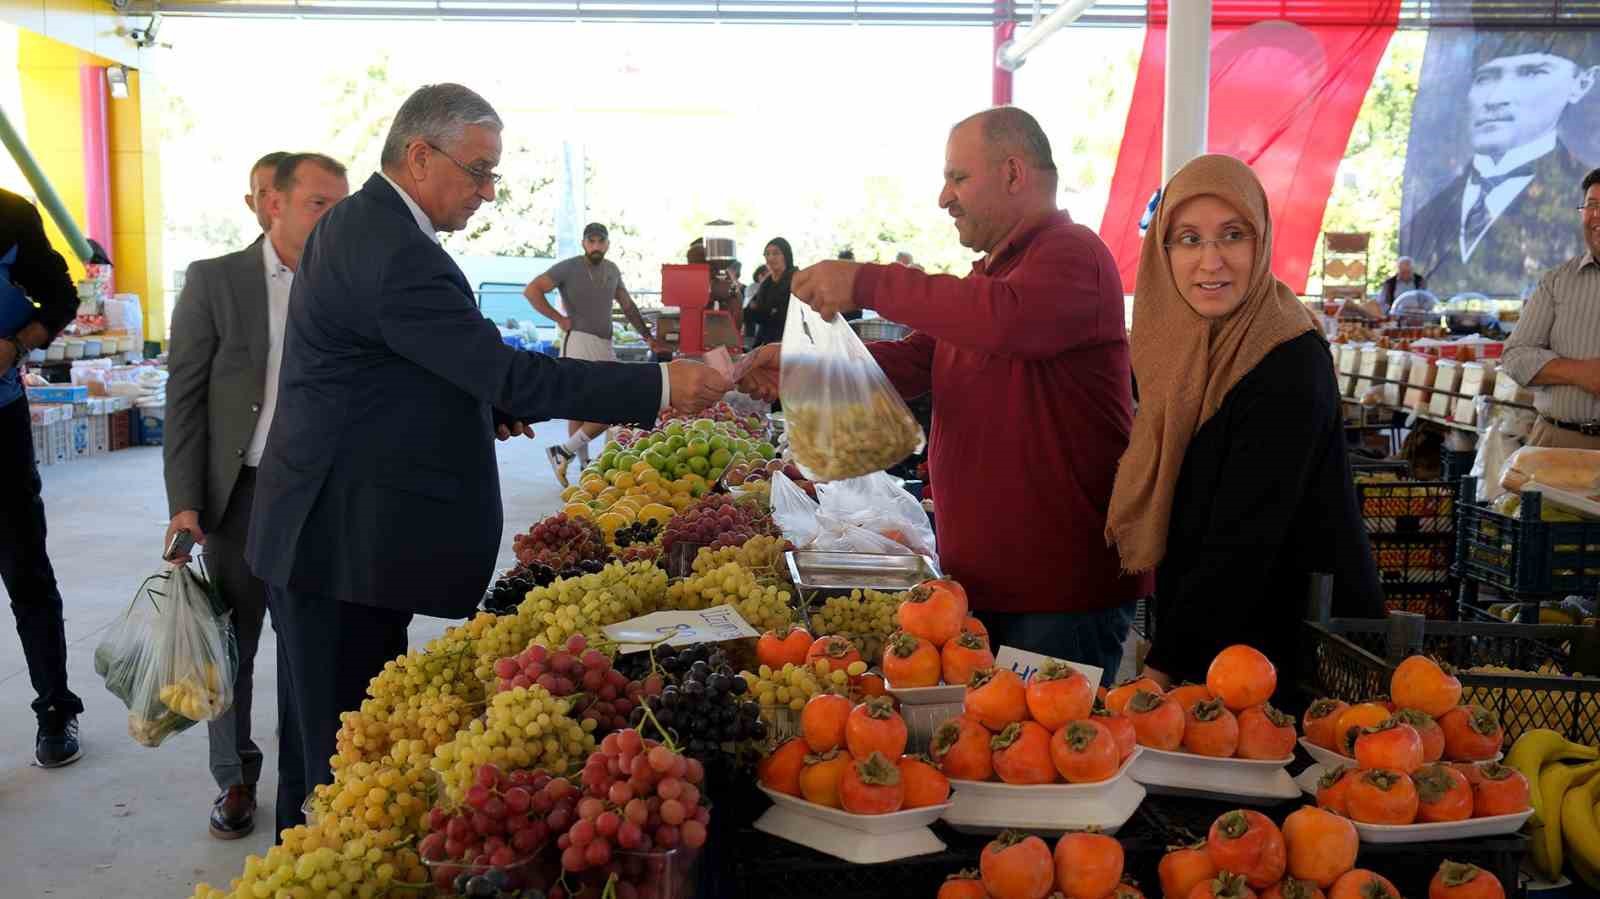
[
  {"x": 559, "y": 460},
  {"x": 57, "y": 742},
  {"x": 233, "y": 815}
]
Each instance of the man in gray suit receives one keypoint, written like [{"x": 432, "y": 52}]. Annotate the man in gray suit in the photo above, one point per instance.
[{"x": 227, "y": 343}]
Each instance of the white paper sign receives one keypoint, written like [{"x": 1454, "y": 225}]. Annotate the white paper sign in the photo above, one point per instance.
[
  {"x": 1025, "y": 663},
  {"x": 681, "y": 628}
]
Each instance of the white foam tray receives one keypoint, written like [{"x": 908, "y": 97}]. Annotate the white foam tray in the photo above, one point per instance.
[
  {"x": 1497, "y": 825},
  {"x": 991, "y": 806},
  {"x": 1250, "y": 781},
  {"x": 859, "y": 839}
]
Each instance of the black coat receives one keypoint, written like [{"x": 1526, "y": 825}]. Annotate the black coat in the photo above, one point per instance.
[
  {"x": 1539, "y": 230},
  {"x": 379, "y": 483},
  {"x": 1264, "y": 499},
  {"x": 769, "y": 311},
  {"x": 39, "y": 270}
]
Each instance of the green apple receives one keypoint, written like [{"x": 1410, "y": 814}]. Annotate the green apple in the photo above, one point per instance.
[
  {"x": 704, "y": 425},
  {"x": 698, "y": 465},
  {"x": 679, "y": 469},
  {"x": 626, "y": 461},
  {"x": 656, "y": 458},
  {"x": 699, "y": 449},
  {"x": 679, "y": 456},
  {"x": 720, "y": 458},
  {"x": 676, "y": 442},
  {"x": 715, "y": 474},
  {"x": 766, "y": 451},
  {"x": 718, "y": 442},
  {"x": 673, "y": 429}
]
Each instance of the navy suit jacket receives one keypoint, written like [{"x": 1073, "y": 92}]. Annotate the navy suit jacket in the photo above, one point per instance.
[{"x": 379, "y": 484}]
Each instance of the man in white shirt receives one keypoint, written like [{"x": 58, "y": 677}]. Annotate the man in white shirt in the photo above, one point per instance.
[
  {"x": 1497, "y": 226},
  {"x": 227, "y": 344}
]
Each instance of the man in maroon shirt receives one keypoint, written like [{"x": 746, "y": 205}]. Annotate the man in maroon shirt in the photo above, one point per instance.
[{"x": 1027, "y": 359}]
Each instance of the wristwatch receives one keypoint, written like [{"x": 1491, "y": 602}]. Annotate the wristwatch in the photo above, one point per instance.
[{"x": 22, "y": 351}]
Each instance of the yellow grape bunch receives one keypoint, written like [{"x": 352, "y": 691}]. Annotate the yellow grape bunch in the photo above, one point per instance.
[
  {"x": 760, "y": 553},
  {"x": 394, "y": 793},
  {"x": 318, "y": 861},
  {"x": 524, "y": 727},
  {"x": 765, "y": 604}
]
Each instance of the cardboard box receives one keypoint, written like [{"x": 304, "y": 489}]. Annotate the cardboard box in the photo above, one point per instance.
[
  {"x": 1446, "y": 376},
  {"x": 81, "y": 435},
  {"x": 1477, "y": 379},
  {"x": 1349, "y": 365},
  {"x": 58, "y": 393},
  {"x": 1374, "y": 363},
  {"x": 1509, "y": 391},
  {"x": 41, "y": 444},
  {"x": 152, "y": 422},
  {"x": 1419, "y": 377},
  {"x": 121, "y": 427},
  {"x": 57, "y": 443},
  {"x": 1396, "y": 369},
  {"x": 99, "y": 434}
]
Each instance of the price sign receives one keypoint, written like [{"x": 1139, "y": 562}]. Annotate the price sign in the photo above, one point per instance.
[
  {"x": 680, "y": 628},
  {"x": 1025, "y": 663}
]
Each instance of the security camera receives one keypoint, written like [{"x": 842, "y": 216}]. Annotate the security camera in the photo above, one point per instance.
[{"x": 145, "y": 37}]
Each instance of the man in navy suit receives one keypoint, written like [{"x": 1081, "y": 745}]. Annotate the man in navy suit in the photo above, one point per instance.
[
  {"x": 378, "y": 496},
  {"x": 1501, "y": 223}
]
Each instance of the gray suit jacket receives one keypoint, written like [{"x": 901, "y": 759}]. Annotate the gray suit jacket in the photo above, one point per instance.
[{"x": 218, "y": 365}]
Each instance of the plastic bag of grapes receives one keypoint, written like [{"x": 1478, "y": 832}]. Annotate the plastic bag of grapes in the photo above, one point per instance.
[
  {"x": 844, "y": 418},
  {"x": 170, "y": 657}
]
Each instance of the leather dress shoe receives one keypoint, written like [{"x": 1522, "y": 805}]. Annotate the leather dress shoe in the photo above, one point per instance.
[{"x": 233, "y": 815}]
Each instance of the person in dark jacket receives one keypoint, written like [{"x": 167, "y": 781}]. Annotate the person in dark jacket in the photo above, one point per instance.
[
  {"x": 31, "y": 269},
  {"x": 770, "y": 308},
  {"x": 1235, "y": 487}
]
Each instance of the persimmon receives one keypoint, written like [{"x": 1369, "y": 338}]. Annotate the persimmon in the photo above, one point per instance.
[
  {"x": 1085, "y": 752},
  {"x": 1157, "y": 722},
  {"x": 1265, "y": 733},
  {"x": 1472, "y": 733},
  {"x": 1321, "y": 845},
  {"x": 996, "y": 697},
  {"x": 1248, "y": 844},
  {"x": 1017, "y": 866},
  {"x": 788, "y": 647},
  {"x": 1022, "y": 754},
  {"x": 1428, "y": 729},
  {"x": 934, "y": 611},
  {"x": 1225, "y": 885},
  {"x": 1293, "y": 888},
  {"x": 1360, "y": 883},
  {"x": 1333, "y": 789},
  {"x": 1088, "y": 865},
  {"x": 961, "y": 748},
  {"x": 1210, "y": 729},
  {"x": 973, "y": 626},
  {"x": 1181, "y": 870},
  {"x": 963, "y": 884},
  {"x": 838, "y": 651},
  {"x": 1423, "y": 684},
  {"x": 924, "y": 783},
  {"x": 1443, "y": 794},
  {"x": 869, "y": 685},
  {"x": 1382, "y": 797},
  {"x": 1472, "y": 771},
  {"x": 872, "y": 786},
  {"x": 1058, "y": 693},
  {"x": 910, "y": 661},
  {"x": 1186, "y": 695},
  {"x": 1321, "y": 720},
  {"x": 964, "y": 655},
  {"x": 822, "y": 721},
  {"x": 874, "y": 726},
  {"x": 1455, "y": 880},
  {"x": 1502, "y": 790},
  {"x": 780, "y": 770},
  {"x": 1241, "y": 676},
  {"x": 1354, "y": 720},
  {"x": 1391, "y": 745},
  {"x": 1116, "y": 698},
  {"x": 820, "y": 778},
  {"x": 1121, "y": 730}
]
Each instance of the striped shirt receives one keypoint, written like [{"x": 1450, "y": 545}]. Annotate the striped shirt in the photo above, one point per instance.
[{"x": 1560, "y": 321}]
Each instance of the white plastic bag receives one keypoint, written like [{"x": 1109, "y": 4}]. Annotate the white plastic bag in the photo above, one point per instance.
[
  {"x": 875, "y": 503},
  {"x": 793, "y": 512},
  {"x": 170, "y": 657},
  {"x": 844, "y": 418},
  {"x": 1495, "y": 446}
]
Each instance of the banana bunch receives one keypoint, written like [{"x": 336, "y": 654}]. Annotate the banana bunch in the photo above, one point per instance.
[
  {"x": 197, "y": 696},
  {"x": 1563, "y": 827}
]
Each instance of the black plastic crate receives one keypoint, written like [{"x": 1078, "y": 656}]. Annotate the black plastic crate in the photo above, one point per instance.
[
  {"x": 1456, "y": 464},
  {"x": 1525, "y": 554},
  {"x": 1410, "y": 560},
  {"x": 1407, "y": 507},
  {"x": 1400, "y": 468},
  {"x": 1436, "y": 602},
  {"x": 1531, "y": 686}
]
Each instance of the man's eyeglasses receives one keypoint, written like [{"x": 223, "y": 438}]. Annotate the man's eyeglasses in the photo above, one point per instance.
[
  {"x": 1589, "y": 208},
  {"x": 481, "y": 176},
  {"x": 1193, "y": 243}
]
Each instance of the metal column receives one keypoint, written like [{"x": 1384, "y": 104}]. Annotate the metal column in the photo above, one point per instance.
[{"x": 1188, "y": 84}]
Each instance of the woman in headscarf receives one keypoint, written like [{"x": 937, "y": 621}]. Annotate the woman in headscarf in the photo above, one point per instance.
[
  {"x": 1235, "y": 486},
  {"x": 770, "y": 308}
]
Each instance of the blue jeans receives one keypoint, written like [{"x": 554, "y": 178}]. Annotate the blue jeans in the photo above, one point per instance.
[{"x": 1093, "y": 638}]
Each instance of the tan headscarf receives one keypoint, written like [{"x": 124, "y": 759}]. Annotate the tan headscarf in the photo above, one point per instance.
[{"x": 1186, "y": 364}]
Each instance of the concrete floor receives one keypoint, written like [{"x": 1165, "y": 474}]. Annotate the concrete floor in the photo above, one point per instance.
[{"x": 127, "y": 820}]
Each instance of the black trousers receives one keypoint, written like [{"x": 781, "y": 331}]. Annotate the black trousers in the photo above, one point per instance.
[
  {"x": 25, "y": 567},
  {"x": 328, "y": 651},
  {"x": 235, "y": 757}
]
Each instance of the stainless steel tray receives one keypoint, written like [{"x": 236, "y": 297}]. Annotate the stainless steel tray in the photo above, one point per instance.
[{"x": 835, "y": 572}]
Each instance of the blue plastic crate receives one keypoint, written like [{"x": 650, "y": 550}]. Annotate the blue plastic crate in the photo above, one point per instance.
[{"x": 1525, "y": 554}]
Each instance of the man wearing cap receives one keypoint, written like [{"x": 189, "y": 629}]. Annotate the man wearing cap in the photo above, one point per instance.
[
  {"x": 588, "y": 285},
  {"x": 1497, "y": 225}
]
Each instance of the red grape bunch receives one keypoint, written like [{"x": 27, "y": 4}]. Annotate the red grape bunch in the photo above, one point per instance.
[
  {"x": 561, "y": 543},
  {"x": 506, "y": 819},
  {"x": 638, "y": 795},
  {"x": 608, "y": 696},
  {"x": 717, "y": 521}
]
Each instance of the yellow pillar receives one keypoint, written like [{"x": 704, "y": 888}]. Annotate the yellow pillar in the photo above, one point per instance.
[{"x": 53, "y": 115}]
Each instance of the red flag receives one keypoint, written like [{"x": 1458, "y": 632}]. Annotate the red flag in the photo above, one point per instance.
[{"x": 1287, "y": 81}]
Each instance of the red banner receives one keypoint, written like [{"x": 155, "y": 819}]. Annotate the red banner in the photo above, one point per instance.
[{"x": 1287, "y": 81}]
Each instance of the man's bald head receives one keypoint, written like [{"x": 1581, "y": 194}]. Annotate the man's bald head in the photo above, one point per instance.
[
  {"x": 999, "y": 175},
  {"x": 1009, "y": 131}
]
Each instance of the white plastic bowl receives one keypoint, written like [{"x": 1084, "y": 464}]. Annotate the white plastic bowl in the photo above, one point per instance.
[
  {"x": 1250, "y": 781},
  {"x": 1497, "y": 825},
  {"x": 860, "y": 839},
  {"x": 990, "y": 806},
  {"x": 943, "y": 693},
  {"x": 1333, "y": 759},
  {"x": 893, "y": 822}
]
